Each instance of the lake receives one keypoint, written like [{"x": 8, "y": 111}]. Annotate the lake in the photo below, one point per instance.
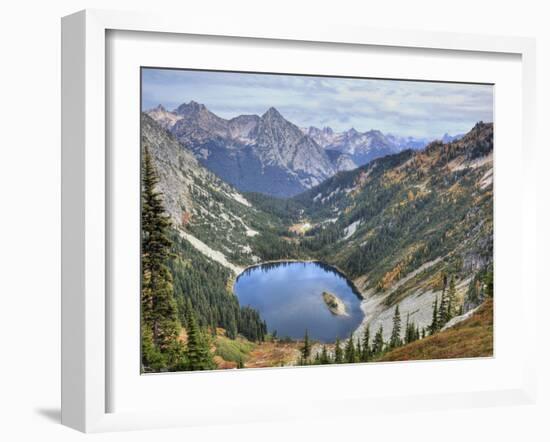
[{"x": 288, "y": 296}]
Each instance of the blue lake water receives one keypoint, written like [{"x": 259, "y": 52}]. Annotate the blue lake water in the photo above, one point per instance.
[{"x": 289, "y": 298}]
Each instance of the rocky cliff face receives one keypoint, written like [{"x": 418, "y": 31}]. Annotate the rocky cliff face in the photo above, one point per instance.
[
  {"x": 209, "y": 213},
  {"x": 268, "y": 153},
  {"x": 280, "y": 143},
  {"x": 262, "y": 154},
  {"x": 197, "y": 124},
  {"x": 163, "y": 117}
]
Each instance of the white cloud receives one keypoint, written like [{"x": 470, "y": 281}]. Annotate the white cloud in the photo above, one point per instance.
[{"x": 400, "y": 107}]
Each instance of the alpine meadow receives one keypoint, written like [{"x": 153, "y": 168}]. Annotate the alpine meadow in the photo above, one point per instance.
[{"x": 292, "y": 220}]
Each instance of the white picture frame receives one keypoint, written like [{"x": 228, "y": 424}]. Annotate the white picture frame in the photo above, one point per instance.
[{"x": 85, "y": 211}]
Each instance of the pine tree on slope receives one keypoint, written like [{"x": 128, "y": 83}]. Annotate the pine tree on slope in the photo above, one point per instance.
[
  {"x": 378, "y": 344},
  {"x": 349, "y": 351},
  {"x": 434, "y": 326},
  {"x": 395, "y": 338},
  {"x": 365, "y": 355},
  {"x": 159, "y": 322},
  {"x": 338, "y": 356},
  {"x": 306, "y": 349}
]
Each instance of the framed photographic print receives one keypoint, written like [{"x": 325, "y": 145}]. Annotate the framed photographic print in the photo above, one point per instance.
[
  {"x": 290, "y": 242},
  {"x": 268, "y": 220}
]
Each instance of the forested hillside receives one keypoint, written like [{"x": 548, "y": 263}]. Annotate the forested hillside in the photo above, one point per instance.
[
  {"x": 209, "y": 297},
  {"x": 182, "y": 304},
  {"x": 400, "y": 224}
]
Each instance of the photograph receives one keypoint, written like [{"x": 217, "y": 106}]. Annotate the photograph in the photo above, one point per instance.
[
  {"x": 292, "y": 220},
  {"x": 234, "y": 221}
]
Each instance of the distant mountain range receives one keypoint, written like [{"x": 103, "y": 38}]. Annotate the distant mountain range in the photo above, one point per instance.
[{"x": 271, "y": 155}]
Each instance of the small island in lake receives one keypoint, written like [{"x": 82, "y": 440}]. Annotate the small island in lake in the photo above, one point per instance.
[{"x": 335, "y": 304}]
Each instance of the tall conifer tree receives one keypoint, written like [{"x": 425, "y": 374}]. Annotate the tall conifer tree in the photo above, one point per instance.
[
  {"x": 306, "y": 349},
  {"x": 324, "y": 356},
  {"x": 489, "y": 284},
  {"x": 349, "y": 351},
  {"x": 434, "y": 326},
  {"x": 338, "y": 356},
  {"x": 395, "y": 338},
  {"x": 365, "y": 354},
  {"x": 443, "y": 314},
  {"x": 378, "y": 344},
  {"x": 159, "y": 321},
  {"x": 198, "y": 352}
]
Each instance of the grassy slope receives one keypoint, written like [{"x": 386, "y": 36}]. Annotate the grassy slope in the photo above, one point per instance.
[
  {"x": 468, "y": 339},
  {"x": 228, "y": 352},
  {"x": 274, "y": 354},
  {"x": 233, "y": 349}
]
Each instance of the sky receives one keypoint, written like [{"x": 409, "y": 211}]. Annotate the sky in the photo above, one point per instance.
[{"x": 404, "y": 108}]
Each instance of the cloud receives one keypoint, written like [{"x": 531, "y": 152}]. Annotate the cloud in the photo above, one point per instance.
[{"x": 425, "y": 109}]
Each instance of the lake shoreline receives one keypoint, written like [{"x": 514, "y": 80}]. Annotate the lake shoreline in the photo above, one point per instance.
[
  {"x": 353, "y": 294},
  {"x": 235, "y": 276}
]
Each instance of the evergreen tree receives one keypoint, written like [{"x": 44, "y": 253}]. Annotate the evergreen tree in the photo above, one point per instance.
[
  {"x": 317, "y": 359},
  {"x": 306, "y": 349},
  {"x": 176, "y": 358},
  {"x": 489, "y": 283},
  {"x": 434, "y": 326},
  {"x": 395, "y": 338},
  {"x": 152, "y": 358},
  {"x": 160, "y": 326},
  {"x": 338, "y": 356},
  {"x": 410, "y": 332},
  {"x": 324, "y": 356},
  {"x": 443, "y": 314},
  {"x": 407, "y": 323},
  {"x": 349, "y": 351},
  {"x": 198, "y": 352},
  {"x": 378, "y": 344},
  {"x": 358, "y": 351},
  {"x": 365, "y": 354},
  {"x": 451, "y": 308}
]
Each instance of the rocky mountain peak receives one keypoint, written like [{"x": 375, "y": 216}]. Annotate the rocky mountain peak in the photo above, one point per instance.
[
  {"x": 243, "y": 127},
  {"x": 375, "y": 133},
  {"x": 272, "y": 114},
  {"x": 191, "y": 108},
  {"x": 165, "y": 118}
]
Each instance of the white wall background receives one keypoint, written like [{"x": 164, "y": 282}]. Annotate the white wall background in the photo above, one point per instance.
[{"x": 30, "y": 215}]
